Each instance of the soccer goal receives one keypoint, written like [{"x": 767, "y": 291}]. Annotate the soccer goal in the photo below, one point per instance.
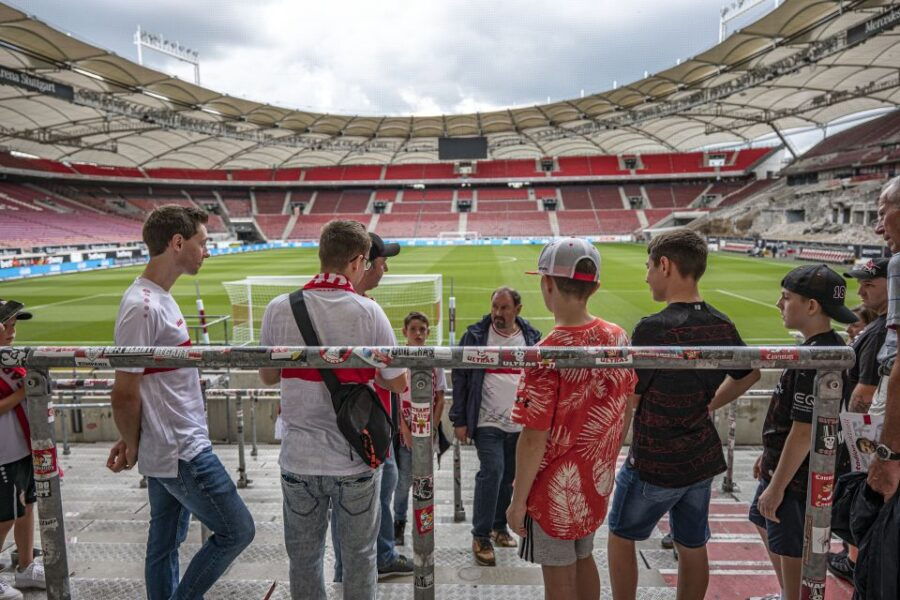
[{"x": 397, "y": 295}]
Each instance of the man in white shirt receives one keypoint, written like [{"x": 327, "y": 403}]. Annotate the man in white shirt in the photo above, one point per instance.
[
  {"x": 318, "y": 466},
  {"x": 160, "y": 415},
  {"x": 482, "y": 408}
]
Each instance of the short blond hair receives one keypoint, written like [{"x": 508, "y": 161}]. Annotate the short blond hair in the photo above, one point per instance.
[
  {"x": 340, "y": 242},
  {"x": 891, "y": 191}
]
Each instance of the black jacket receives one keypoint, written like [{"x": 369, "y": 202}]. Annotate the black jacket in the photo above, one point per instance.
[
  {"x": 467, "y": 383},
  {"x": 860, "y": 516}
]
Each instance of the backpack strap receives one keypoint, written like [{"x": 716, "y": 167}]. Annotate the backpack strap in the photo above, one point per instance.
[{"x": 308, "y": 331}]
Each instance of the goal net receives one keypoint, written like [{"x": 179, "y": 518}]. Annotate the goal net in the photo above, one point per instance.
[{"x": 396, "y": 294}]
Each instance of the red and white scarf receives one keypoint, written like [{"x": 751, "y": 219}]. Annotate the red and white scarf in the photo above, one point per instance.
[{"x": 329, "y": 281}]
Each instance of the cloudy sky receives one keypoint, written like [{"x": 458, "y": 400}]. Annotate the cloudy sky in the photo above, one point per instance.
[{"x": 404, "y": 56}]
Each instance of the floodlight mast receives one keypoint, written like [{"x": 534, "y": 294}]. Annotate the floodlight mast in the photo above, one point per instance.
[
  {"x": 156, "y": 41},
  {"x": 736, "y": 9}
]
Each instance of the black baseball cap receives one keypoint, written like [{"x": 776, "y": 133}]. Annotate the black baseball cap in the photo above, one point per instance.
[
  {"x": 824, "y": 286},
  {"x": 381, "y": 249},
  {"x": 21, "y": 315},
  {"x": 872, "y": 269}
]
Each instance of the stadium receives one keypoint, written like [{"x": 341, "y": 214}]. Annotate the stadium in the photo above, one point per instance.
[{"x": 92, "y": 142}]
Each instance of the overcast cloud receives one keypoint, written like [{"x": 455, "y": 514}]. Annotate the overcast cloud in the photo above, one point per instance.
[{"x": 405, "y": 56}]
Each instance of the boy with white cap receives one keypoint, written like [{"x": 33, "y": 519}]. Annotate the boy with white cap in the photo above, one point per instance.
[{"x": 573, "y": 421}]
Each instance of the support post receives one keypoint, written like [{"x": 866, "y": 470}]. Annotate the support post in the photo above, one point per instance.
[
  {"x": 422, "y": 400},
  {"x": 242, "y": 481},
  {"x": 64, "y": 425},
  {"x": 46, "y": 481},
  {"x": 254, "y": 451},
  {"x": 729, "y": 486},
  {"x": 820, "y": 485},
  {"x": 459, "y": 509}
]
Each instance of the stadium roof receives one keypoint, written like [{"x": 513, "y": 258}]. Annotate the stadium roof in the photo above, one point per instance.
[{"x": 804, "y": 64}]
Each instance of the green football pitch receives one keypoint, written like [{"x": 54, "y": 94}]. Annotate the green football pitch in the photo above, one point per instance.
[{"x": 81, "y": 308}]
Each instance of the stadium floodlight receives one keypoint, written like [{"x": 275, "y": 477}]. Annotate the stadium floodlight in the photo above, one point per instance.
[{"x": 156, "y": 41}]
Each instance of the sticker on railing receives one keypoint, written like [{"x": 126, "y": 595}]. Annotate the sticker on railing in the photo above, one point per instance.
[
  {"x": 374, "y": 356},
  {"x": 289, "y": 355},
  {"x": 423, "y": 488},
  {"x": 420, "y": 423},
  {"x": 335, "y": 355},
  {"x": 481, "y": 357},
  {"x": 822, "y": 489},
  {"x": 425, "y": 519}
]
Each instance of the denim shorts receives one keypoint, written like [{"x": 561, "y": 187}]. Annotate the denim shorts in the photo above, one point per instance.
[
  {"x": 638, "y": 506},
  {"x": 785, "y": 537}
]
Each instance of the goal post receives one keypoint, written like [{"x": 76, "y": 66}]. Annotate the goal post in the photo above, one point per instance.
[{"x": 396, "y": 294}]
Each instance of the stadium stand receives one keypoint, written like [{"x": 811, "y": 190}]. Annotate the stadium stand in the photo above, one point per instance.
[
  {"x": 272, "y": 226},
  {"x": 655, "y": 215},
  {"x": 618, "y": 221},
  {"x": 269, "y": 203},
  {"x": 873, "y": 145}
]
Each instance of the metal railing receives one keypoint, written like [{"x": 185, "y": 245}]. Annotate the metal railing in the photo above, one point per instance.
[{"x": 421, "y": 360}]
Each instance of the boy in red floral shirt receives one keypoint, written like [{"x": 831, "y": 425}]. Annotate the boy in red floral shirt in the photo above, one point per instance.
[{"x": 573, "y": 422}]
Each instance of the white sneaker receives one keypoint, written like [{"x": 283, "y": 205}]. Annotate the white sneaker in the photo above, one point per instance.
[
  {"x": 32, "y": 576},
  {"x": 7, "y": 592}
]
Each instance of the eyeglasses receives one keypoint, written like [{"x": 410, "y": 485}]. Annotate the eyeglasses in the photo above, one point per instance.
[{"x": 367, "y": 264}]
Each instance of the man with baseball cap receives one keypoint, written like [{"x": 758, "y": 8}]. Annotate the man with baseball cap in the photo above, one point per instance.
[
  {"x": 863, "y": 377},
  {"x": 17, "y": 491},
  {"x": 811, "y": 296},
  {"x": 572, "y": 426}
]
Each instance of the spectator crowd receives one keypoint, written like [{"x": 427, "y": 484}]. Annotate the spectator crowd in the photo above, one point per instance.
[{"x": 547, "y": 440}]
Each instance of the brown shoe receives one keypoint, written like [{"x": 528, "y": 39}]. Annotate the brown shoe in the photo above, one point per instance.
[
  {"x": 484, "y": 552},
  {"x": 503, "y": 539}
]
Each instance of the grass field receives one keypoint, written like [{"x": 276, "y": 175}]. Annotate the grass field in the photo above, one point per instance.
[{"x": 81, "y": 308}]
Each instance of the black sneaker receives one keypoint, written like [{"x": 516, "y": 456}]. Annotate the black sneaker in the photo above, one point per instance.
[
  {"x": 399, "y": 566},
  {"x": 667, "y": 542},
  {"x": 841, "y": 566},
  {"x": 399, "y": 532}
]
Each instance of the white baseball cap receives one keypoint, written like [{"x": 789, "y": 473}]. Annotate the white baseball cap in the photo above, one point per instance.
[{"x": 560, "y": 257}]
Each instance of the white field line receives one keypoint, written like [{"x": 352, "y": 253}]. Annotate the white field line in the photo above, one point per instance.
[
  {"x": 40, "y": 306},
  {"x": 746, "y": 299}
]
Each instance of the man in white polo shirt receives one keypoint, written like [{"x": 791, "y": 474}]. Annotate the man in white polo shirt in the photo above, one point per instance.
[
  {"x": 318, "y": 466},
  {"x": 160, "y": 415}
]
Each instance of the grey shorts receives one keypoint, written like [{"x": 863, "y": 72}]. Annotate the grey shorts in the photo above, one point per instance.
[{"x": 540, "y": 548}]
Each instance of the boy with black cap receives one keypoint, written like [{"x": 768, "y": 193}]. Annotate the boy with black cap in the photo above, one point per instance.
[
  {"x": 811, "y": 296},
  {"x": 17, "y": 493}
]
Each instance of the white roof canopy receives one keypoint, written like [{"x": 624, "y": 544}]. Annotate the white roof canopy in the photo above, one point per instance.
[{"x": 795, "y": 67}]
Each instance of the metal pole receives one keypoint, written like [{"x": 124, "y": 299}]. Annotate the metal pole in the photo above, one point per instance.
[
  {"x": 422, "y": 388},
  {"x": 64, "y": 423},
  {"x": 46, "y": 481},
  {"x": 254, "y": 451},
  {"x": 729, "y": 485},
  {"x": 205, "y": 532},
  {"x": 459, "y": 509},
  {"x": 820, "y": 485},
  {"x": 242, "y": 464}
]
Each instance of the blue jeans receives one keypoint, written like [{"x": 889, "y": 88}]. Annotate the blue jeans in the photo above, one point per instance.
[
  {"x": 404, "y": 483},
  {"x": 355, "y": 519},
  {"x": 202, "y": 488},
  {"x": 385, "y": 542},
  {"x": 493, "y": 483}
]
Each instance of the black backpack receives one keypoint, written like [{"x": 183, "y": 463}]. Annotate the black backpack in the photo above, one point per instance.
[{"x": 361, "y": 417}]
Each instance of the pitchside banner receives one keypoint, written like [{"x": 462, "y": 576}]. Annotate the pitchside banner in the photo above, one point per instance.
[
  {"x": 874, "y": 26},
  {"x": 35, "y": 84}
]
